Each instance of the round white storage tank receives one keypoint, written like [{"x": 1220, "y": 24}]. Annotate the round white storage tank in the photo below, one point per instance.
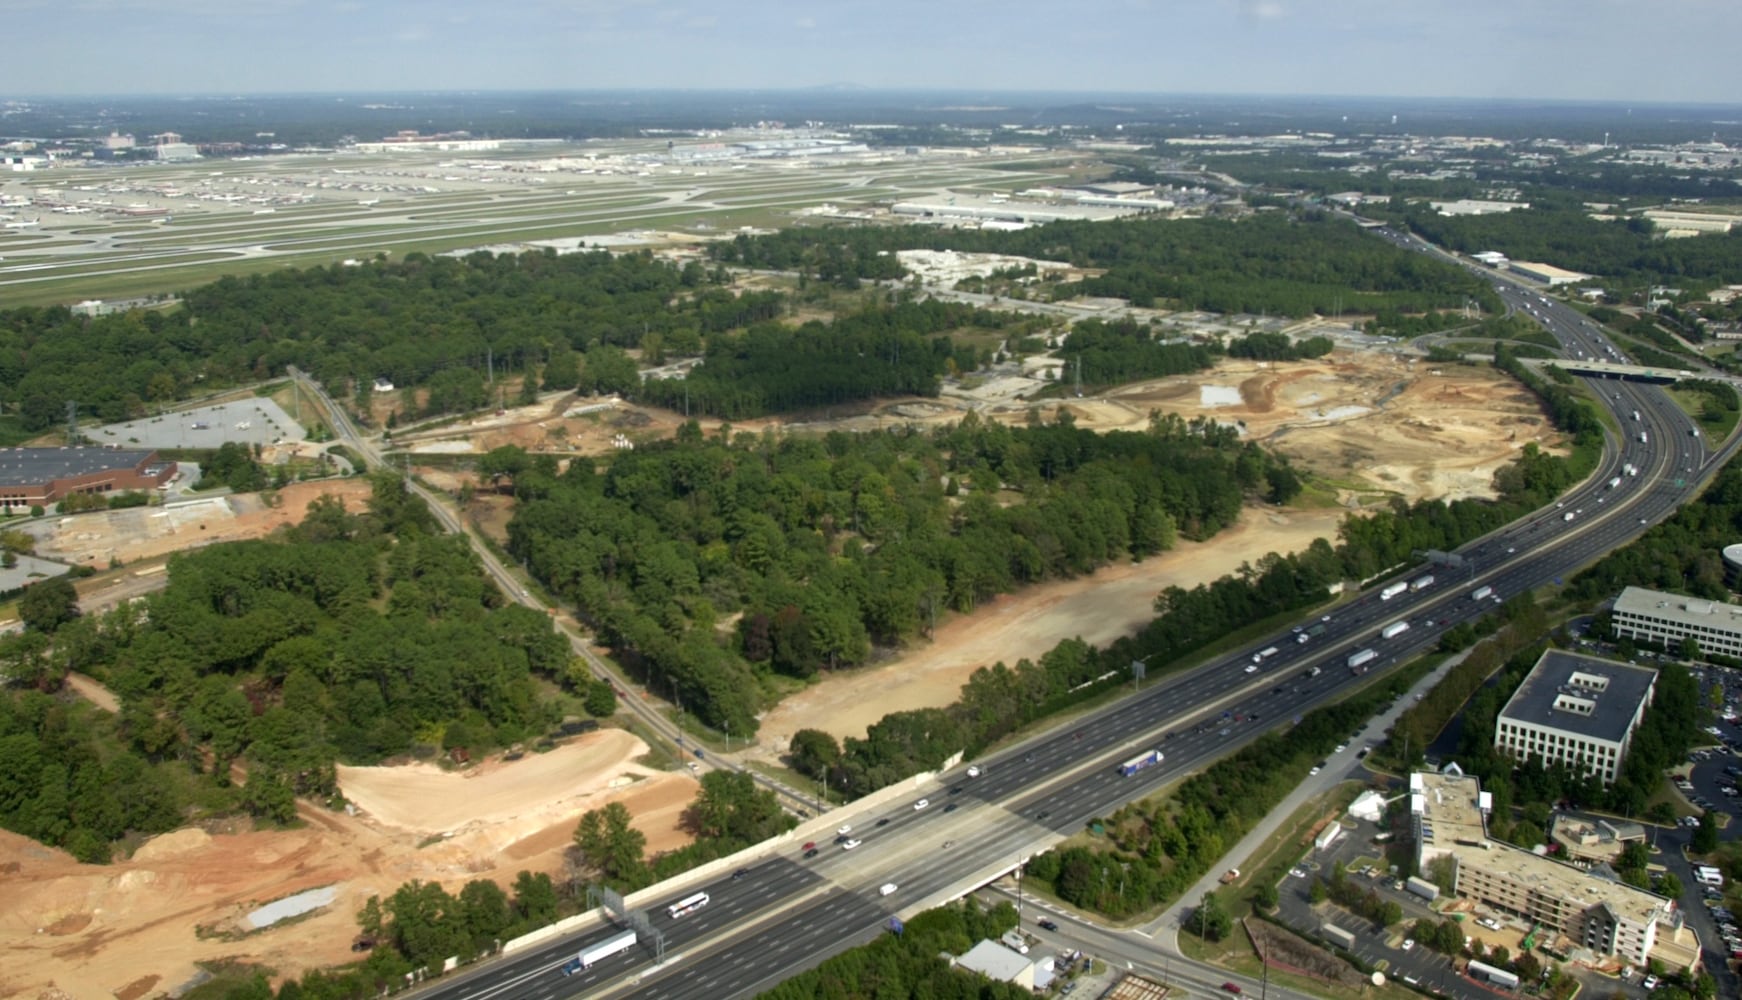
[{"x": 1733, "y": 565}]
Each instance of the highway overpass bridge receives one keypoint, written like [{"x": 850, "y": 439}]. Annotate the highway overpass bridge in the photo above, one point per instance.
[{"x": 1610, "y": 369}]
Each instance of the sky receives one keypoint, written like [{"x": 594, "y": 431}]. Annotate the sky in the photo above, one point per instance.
[{"x": 1625, "y": 50}]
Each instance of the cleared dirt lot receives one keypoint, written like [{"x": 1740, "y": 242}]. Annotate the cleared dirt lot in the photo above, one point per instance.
[
  {"x": 1099, "y": 608},
  {"x": 1371, "y": 424},
  {"x": 144, "y": 533},
  {"x": 137, "y": 928}
]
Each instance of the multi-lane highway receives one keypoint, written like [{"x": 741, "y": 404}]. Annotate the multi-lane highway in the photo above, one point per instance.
[{"x": 788, "y": 912}]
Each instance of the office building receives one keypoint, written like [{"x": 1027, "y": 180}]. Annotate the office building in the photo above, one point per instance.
[
  {"x": 1667, "y": 619},
  {"x": 1576, "y": 710}
]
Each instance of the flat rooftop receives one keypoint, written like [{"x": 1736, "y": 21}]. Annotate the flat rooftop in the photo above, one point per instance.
[
  {"x": 1548, "y": 271},
  {"x": 1682, "y": 610},
  {"x": 1451, "y": 821},
  {"x": 33, "y": 466},
  {"x": 1583, "y": 695}
]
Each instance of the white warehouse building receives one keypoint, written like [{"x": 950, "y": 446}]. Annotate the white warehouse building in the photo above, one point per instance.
[{"x": 1665, "y": 618}]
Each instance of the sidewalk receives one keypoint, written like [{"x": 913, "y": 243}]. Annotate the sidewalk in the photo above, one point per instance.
[{"x": 1165, "y": 928}]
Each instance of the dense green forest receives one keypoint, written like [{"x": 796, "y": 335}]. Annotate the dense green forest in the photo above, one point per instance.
[
  {"x": 416, "y": 321},
  {"x": 998, "y": 699},
  {"x": 355, "y": 637},
  {"x": 1269, "y": 263},
  {"x": 1624, "y": 251},
  {"x": 881, "y": 350},
  {"x": 825, "y": 546}
]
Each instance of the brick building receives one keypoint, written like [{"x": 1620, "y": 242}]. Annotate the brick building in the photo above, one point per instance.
[{"x": 40, "y": 477}]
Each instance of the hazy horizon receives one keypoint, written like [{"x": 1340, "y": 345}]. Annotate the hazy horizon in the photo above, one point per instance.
[{"x": 1547, "y": 50}]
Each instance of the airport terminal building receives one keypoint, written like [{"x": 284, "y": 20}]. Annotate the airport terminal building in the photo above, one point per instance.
[
  {"x": 39, "y": 477},
  {"x": 1604, "y": 915},
  {"x": 1576, "y": 710}
]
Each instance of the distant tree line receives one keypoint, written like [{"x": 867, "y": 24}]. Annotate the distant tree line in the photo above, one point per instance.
[
  {"x": 1626, "y": 251},
  {"x": 879, "y": 351},
  {"x": 438, "y": 322},
  {"x": 1270, "y": 263}
]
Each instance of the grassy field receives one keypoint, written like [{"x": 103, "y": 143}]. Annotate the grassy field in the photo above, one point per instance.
[
  {"x": 431, "y": 203},
  {"x": 1715, "y": 422}
]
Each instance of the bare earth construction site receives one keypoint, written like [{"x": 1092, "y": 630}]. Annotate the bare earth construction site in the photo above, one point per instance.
[
  {"x": 1369, "y": 424},
  {"x": 1378, "y": 425}
]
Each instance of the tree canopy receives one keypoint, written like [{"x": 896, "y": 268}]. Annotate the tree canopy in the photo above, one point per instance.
[{"x": 352, "y": 637}]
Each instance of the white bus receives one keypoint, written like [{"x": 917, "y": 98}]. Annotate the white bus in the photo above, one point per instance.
[{"x": 687, "y": 905}]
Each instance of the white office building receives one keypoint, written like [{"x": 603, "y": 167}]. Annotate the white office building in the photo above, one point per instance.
[
  {"x": 1667, "y": 619},
  {"x": 1576, "y": 710}
]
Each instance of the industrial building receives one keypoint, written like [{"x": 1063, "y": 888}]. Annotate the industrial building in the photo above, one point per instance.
[
  {"x": 969, "y": 208},
  {"x": 1588, "y": 910},
  {"x": 1476, "y": 206},
  {"x": 38, "y": 477},
  {"x": 1659, "y": 617},
  {"x": 1576, "y": 710},
  {"x": 1548, "y": 274},
  {"x": 994, "y": 960},
  {"x": 1690, "y": 222}
]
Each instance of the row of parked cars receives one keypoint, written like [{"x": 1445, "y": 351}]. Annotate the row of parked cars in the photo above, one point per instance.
[{"x": 1725, "y": 920}]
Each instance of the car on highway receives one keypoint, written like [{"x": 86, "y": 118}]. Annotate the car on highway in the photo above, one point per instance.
[
  {"x": 921, "y": 804},
  {"x": 974, "y": 772},
  {"x": 850, "y": 843},
  {"x": 950, "y": 808},
  {"x": 845, "y": 829},
  {"x": 1233, "y": 988},
  {"x": 1043, "y": 814},
  {"x": 810, "y": 852},
  {"x": 1047, "y": 925},
  {"x": 740, "y": 873},
  {"x": 887, "y": 889}
]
